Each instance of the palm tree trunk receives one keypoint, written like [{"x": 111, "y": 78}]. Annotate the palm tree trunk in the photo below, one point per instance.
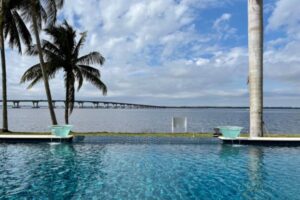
[
  {"x": 4, "y": 87},
  {"x": 255, "y": 45},
  {"x": 67, "y": 104},
  {"x": 44, "y": 72}
]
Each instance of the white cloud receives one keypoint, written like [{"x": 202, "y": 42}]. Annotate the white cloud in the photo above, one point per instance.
[
  {"x": 224, "y": 18},
  {"x": 286, "y": 15},
  {"x": 224, "y": 30},
  {"x": 282, "y": 55}
]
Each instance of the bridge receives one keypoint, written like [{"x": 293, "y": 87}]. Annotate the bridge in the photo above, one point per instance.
[
  {"x": 78, "y": 104},
  {"x": 25, "y": 103}
]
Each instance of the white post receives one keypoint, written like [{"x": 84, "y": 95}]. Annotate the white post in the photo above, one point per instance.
[
  {"x": 185, "y": 124},
  {"x": 172, "y": 124}
]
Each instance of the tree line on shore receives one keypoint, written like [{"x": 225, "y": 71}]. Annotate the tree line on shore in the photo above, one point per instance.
[{"x": 60, "y": 53}]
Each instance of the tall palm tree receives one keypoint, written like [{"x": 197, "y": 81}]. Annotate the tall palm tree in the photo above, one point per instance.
[
  {"x": 63, "y": 54},
  {"x": 37, "y": 12},
  {"x": 255, "y": 45},
  {"x": 12, "y": 26}
]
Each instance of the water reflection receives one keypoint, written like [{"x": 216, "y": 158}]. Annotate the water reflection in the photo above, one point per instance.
[
  {"x": 60, "y": 165},
  {"x": 90, "y": 169},
  {"x": 227, "y": 151},
  {"x": 255, "y": 172},
  {"x": 245, "y": 162}
]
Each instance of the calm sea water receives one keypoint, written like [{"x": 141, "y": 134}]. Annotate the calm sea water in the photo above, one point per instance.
[
  {"x": 93, "y": 171},
  {"x": 152, "y": 120}
]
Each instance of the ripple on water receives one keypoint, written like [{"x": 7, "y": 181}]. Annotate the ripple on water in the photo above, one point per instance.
[{"x": 203, "y": 171}]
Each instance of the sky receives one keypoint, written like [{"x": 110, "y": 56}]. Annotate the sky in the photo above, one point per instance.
[{"x": 177, "y": 52}]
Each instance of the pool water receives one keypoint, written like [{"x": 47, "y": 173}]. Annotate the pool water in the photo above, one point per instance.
[{"x": 148, "y": 171}]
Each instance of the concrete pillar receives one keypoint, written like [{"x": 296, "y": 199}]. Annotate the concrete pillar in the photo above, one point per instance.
[
  {"x": 80, "y": 104},
  {"x": 96, "y": 104},
  {"x": 35, "y": 104},
  {"x": 16, "y": 104}
]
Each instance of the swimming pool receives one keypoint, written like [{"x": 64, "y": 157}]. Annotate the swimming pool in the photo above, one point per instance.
[{"x": 148, "y": 171}]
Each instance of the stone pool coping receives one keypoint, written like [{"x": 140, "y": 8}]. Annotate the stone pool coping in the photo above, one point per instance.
[
  {"x": 34, "y": 138},
  {"x": 148, "y": 138},
  {"x": 125, "y": 134},
  {"x": 278, "y": 141}
]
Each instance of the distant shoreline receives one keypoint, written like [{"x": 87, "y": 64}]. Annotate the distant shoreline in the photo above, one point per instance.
[{"x": 164, "y": 107}]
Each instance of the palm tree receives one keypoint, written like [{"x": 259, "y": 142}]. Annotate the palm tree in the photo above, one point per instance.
[
  {"x": 63, "y": 54},
  {"x": 12, "y": 26},
  {"x": 36, "y": 12},
  {"x": 255, "y": 42}
]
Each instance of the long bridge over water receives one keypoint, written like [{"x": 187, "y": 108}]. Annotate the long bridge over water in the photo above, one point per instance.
[
  {"x": 78, "y": 104},
  {"x": 21, "y": 103}
]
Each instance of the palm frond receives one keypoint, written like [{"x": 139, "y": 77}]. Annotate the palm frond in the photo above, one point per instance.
[
  {"x": 80, "y": 44},
  {"x": 94, "y": 80},
  {"x": 32, "y": 50},
  {"x": 31, "y": 73},
  {"x": 91, "y": 58},
  {"x": 35, "y": 71},
  {"x": 10, "y": 28},
  {"x": 24, "y": 33},
  {"x": 90, "y": 69},
  {"x": 50, "y": 47},
  {"x": 52, "y": 7},
  {"x": 35, "y": 81}
]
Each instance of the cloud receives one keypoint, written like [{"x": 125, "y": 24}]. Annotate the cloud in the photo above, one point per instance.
[
  {"x": 282, "y": 55},
  {"x": 286, "y": 15},
  {"x": 224, "y": 18},
  {"x": 224, "y": 30},
  {"x": 161, "y": 52}
]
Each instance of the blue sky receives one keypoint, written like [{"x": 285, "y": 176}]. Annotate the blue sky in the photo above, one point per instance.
[{"x": 172, "y": 52}]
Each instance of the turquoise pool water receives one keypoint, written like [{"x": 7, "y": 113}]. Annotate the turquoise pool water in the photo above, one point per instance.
[{"x": 93, "y": 171}]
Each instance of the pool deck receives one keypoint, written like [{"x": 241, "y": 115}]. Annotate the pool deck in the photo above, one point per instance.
[
  {"x": 268, "y": 141},
  {"x": 10, "y": 138}
]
